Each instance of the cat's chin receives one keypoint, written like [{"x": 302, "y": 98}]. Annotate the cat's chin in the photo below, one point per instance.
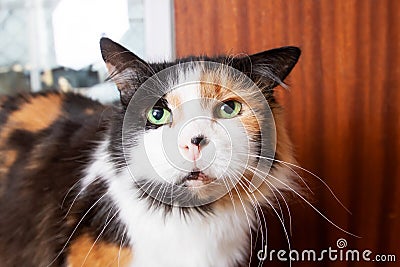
[{"x": 196, "y": 179}]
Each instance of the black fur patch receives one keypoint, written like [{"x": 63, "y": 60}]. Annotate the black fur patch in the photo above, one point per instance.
[
  {"x": 168, "y": 201},
  {"x": 37, "y": 196}
]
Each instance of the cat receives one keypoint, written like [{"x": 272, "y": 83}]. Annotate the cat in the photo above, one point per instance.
[{"x": 173, "y": 175}]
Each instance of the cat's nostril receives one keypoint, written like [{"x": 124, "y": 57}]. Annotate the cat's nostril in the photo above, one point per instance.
[{"x": 197, "y": 140}]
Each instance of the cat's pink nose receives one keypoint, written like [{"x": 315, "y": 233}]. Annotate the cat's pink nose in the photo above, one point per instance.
[{"x": 192, "y": 150}]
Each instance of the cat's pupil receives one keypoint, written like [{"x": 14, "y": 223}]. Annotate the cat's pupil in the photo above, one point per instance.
[
  {"x": 157, "y": 113},
  {"x": 228, "y": 107}
]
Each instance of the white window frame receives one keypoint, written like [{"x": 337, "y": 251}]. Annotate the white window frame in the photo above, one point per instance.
[{"x": 159, "y": 30}]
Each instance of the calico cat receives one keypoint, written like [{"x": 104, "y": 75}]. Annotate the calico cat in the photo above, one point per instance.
[{"x": 174, "y": 175}]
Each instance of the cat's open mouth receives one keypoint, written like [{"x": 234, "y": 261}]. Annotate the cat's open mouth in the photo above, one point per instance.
[{"x": 196, "y": 178}]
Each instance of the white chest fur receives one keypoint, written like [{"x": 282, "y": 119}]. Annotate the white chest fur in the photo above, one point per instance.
[{"x": 219, "y": 239}]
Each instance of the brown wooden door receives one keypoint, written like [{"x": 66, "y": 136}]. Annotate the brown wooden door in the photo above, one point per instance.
[{"x": 343, "y": 108}]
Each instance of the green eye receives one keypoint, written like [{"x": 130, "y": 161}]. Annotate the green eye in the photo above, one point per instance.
[
  {"x": 229, "y": 109},
  {"x": 159, "y": 116}
]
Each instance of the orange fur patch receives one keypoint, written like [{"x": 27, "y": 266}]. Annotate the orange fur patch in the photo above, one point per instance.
[
  {"x": 7, "y": 159},
  {"x": 211, "y": 87},
  {"x": 38, "y": 114},
  {"x": 35, "y": 115},
  {"x": 89, "y": 111},
  {"x": 84, "y": 253},
  {"x": 173, "y": 99}
]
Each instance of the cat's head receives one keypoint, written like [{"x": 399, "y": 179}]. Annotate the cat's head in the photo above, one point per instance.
[{"x": 199, "y": 129}]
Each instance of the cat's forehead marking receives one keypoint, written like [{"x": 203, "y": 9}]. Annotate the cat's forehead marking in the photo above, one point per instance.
[
  {"x": 173, "y": 99},
  {"x": 217, "y": 85},
  {"x": 185, "y": 88},
  {"x": 196, "y": 83}
]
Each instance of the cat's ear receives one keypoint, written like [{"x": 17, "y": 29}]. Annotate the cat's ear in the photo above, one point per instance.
[
  {"x": 126, "y": 69},
  {"x": 270, "y": 68}
]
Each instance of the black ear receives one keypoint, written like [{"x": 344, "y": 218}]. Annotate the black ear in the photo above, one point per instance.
[
  {"x": 126, "y": 69},
  {"x": 269, "y": 68}
]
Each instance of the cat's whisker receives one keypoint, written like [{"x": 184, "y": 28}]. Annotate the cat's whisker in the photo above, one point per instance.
[
  {"x": 309, "y": 172},
  {"x": 284, "y": 200},
  {"x": 230, "y": 194},
  {"x": 244, "y": 209},
  {"x": 98, "y": 237},
  {"x": 254, "y": 207},
  {"x": 144, "y": 188},
  {"x": 281, "y": 219},
  {"x": 269, "y": 184},
  {"x": 261, "y": 223},
  {"x": 77, "y": 196},
  {"x": 240, "y": 164},
  {"x": 155, "y": 197},
  {"x": 282, "y": 162},
  {"x": 120, "y": 246},
  {"x": 313, "y": 207},
  {"x": 274, "y": 210},
  {"x": 237, "y": 176},
  {"x": 76, "y": 227},
  {"x": 94, "y": 243},
  {"x": 69, "y": 191},
  {"x": 172, "y": 193},
  {"x": 308, "y": 203},
  {"x": 164, "y": 194}
]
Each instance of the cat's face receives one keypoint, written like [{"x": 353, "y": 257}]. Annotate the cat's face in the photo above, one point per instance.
[
  {"x": 198, "y": 134},
  {"x": 197, "y": 128}
]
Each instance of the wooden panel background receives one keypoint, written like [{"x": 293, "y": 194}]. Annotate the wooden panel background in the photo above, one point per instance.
[{"x": 342, "y": 109}]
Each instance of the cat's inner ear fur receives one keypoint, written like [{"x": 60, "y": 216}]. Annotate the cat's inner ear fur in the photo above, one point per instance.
[
  {"x": 125, "y": 68},
  {"x": 269, "y": 68}
]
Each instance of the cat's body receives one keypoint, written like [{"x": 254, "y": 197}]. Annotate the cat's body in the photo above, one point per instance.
[
  {"x": 67, "y": 196},
  {"x": 46, "y": 140}
]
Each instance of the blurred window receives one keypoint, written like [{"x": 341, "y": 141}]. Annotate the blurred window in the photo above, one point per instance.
[{"x": 54, "y": 44}]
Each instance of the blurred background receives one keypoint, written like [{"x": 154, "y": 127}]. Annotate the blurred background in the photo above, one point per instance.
[
  {"x": 342, "y": 109},
  {"x": 54, "y": 44}
]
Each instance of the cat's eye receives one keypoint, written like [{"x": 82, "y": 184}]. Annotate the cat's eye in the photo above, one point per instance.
[
  {"x": 159, "y": 116},
  {"x": 228, "y": 109}
]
